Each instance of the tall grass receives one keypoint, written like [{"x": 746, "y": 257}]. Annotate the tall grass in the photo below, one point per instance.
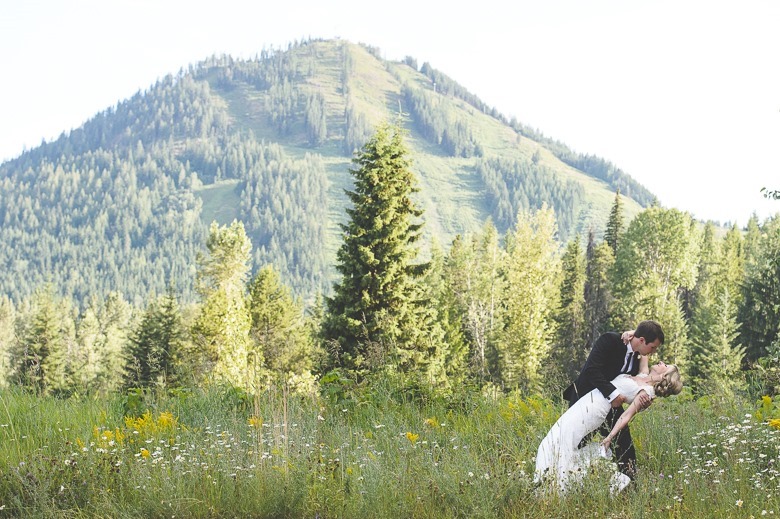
[{"x": 371, "y": 452}]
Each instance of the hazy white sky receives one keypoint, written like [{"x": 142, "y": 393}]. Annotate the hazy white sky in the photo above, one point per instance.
[{"x": 682, "y": 95}]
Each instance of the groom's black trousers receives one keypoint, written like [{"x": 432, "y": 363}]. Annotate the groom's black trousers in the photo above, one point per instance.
[{"x": 622, "y": 445}]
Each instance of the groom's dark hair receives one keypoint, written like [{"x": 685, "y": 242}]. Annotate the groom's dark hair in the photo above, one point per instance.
[{"x": 650, "y": 330}]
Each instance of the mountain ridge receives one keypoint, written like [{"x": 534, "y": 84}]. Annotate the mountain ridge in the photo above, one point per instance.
[{"x": 270, "y": 140}]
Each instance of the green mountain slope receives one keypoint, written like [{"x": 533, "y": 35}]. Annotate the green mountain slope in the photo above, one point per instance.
[{"x": 124, "y": 202}]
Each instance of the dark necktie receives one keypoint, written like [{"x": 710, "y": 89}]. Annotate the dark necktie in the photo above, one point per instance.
[{"x": 631, "y": 358}]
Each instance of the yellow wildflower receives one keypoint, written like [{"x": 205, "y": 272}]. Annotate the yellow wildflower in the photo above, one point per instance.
[
  {"x": 145, "y": 453},
  {"x": 775, "y": 423},
  {"x": 412, "y": 437},
  {"x": 256, "y": 422},
  {"x": 166, "y": 420},
  {"x": 432, "y": 422}
]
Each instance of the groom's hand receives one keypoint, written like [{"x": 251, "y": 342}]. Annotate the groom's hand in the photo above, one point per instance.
[{"x": 618, "y": 401}]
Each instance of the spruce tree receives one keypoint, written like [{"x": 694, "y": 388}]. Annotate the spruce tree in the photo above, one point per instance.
[
  {"x": 570, "y": 345},
  {"x": 155, "y": 345},
  {"x": 597, "y": 292},
  {"x": 374, "y": 313},
  {"x": 759, "y": 314},
  {"x": 45, "y": 362},
  {"x": 448, "y": 318},
  {"x": 614, "y": 223}
]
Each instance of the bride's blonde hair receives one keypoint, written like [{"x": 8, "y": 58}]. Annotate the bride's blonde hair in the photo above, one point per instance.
[{"x": 670, "y": 384}]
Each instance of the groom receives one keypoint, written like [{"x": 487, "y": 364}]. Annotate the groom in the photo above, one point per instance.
[{"x": 608, "y": 358}]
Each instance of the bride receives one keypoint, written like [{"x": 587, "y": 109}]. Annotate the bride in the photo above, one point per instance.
[{"x": 559, "y": 458}]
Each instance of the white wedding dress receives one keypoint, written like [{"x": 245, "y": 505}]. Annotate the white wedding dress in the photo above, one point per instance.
[{"x": 559, "y": 460}]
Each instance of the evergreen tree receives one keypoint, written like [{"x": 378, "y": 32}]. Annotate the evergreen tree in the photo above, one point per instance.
[
  {"x": 221, "y": 330},
  {"x": 597, "y": 292},
  {"x": 532, "y": 275},
  {"x": 570, "y": 350},
  {"x": 448, "y": 318},
  {"x": 760, "y": 311},
  {"x": 752, "y": 239},
  {"x": 155, "y": 345},
  {"x": 614, "y": 223},
  {"x": 733, "y": 264},
  {"x": 376, "y": 309},
  {"x": 46, "y": 346},
  {"x": 717, "y": 354}
]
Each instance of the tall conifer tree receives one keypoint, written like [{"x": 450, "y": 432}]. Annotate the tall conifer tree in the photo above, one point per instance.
[
  {"x": 45, "y": 357},
  {"x": 373, "y": 316},
  {"x": 155, "y": 345},
  {"x": 597, "y": 292},
  {"x": 760, "y": 314},
  {"x": 570, "y": 347},
  {"x": 614, "y": 223}
]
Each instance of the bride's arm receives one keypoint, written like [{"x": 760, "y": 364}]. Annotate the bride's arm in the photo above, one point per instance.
[{"x": 626, "y": 417}]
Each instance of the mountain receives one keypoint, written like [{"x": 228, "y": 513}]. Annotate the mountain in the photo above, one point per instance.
[{"x": 124, "y": 202}]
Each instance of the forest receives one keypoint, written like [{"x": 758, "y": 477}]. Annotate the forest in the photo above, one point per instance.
[
  {"x": 515, "y": 311},
  {"x": 248, "y": 402}
]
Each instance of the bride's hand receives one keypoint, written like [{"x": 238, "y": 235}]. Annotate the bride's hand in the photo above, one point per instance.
[
  {"x": 643, "y": 400},
  {"x": 627, "y": 336},
  {"x": 606, "y": 442}
]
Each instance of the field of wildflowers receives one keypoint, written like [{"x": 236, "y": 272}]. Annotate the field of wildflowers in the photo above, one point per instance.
[{"x": 369, "y": 453}]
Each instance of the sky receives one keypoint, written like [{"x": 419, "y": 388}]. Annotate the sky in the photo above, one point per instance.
[{"x": 684, "y": 96}]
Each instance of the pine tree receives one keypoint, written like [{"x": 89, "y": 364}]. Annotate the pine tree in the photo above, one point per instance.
[
  {"x": 705, "y": 294},
  {"x": 570, "y": 350},
  {"x": 221, "y": 330},
  {"x": 532, "y": 272},
  {"x": 373, "y": 316},
  {"x": 759, "y": 314},
  {"x": 448, "y": 318},
  {"x": 733, "y": 264},
  {"x": 46, "y": 361},
  {"x": 155, "y": 345},
  {"x": 614, "y": 223},
  {"x": 597, "y": 292}
]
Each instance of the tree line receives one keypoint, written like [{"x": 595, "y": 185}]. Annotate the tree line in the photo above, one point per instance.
[{"x": 511, "y": 312}]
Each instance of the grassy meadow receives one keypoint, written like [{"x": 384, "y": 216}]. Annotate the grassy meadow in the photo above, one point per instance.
[{"x": 362, "y": 453}]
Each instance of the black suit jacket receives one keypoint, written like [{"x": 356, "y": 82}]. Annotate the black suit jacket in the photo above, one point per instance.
[{"x": 604, "y": 362}]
